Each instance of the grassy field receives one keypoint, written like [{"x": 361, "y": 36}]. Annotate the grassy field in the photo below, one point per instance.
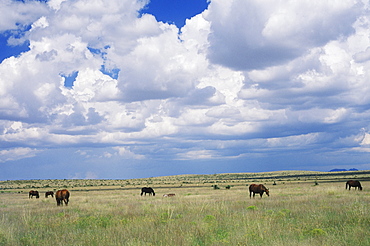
[{"x": 301, "y": 210}]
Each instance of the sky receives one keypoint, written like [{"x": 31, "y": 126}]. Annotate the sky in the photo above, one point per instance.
[{"x": 120, "y": 89}]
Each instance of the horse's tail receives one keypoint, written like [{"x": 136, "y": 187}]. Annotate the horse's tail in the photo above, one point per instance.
[{"x": 347, "y": 185}]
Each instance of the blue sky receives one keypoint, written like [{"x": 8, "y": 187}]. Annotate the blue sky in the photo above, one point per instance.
[
  {"x": 175, "y": 11},
  {"x": 129, "y": 89}
]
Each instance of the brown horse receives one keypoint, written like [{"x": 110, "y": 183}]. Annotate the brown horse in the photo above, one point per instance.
[
  {"x": 49, "y": 193},
  {"x": 62, "y": 195},
  {"x": 259, "y": 189},
  {"x": 353, "y": 183},
  {"x": 33, "y": 193}
]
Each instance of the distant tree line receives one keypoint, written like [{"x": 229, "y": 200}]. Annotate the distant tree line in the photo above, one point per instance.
[{"x": 342, "y": 170}]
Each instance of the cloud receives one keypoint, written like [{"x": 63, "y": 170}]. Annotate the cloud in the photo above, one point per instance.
[
  {"x": 87, "y": 175},
  {"x": 127, "y": 154},
  {"x": 252, "y": 34},
  {"x": 197, "y": 154},
  {"x": 362, "y": 56},
  {"x": 240, "y": 81},
  {"x": 14, "y": 154},
  {"x": 15, "y": 14}
]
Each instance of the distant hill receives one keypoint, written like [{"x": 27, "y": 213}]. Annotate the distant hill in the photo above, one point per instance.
[{"x": 342, "y": 170}]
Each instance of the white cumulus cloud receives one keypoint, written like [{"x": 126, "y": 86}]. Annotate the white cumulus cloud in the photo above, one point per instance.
[{"x": 241, "y": 80}]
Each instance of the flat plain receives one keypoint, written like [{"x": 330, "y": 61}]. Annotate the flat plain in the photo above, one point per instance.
[{"x": 304, "y": 208}]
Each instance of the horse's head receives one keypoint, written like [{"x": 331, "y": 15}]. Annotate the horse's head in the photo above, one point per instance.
[{"x": 267, "y": 192}]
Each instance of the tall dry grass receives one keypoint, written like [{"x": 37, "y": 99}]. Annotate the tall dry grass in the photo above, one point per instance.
[{"x": 294, "y": 214}]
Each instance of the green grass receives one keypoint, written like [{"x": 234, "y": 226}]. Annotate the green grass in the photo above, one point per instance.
[{"x": 296, "y": 213}]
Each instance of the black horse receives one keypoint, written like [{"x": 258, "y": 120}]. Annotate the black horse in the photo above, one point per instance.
[
  {"x": 33, "y": 193},
  {"x": 49, "y": 193},
  {"x": 353, "y": 183},
  {"x": 259, "y": 189},
  {"x": 149, "y": 190}
]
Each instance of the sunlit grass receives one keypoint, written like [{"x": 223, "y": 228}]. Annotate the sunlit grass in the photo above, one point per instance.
[{"x": 298, "y": 213}]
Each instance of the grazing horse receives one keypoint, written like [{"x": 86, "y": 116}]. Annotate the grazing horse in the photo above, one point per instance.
[
  {"x": 353, "y": 183},
  {"x": 49, "y": 193},
  {"x": 253, "y": 188},
  {"x": 145, "y": 190},
  {"x": 33, "y": 193},
  {"x": 62, "y": 195},
  {"x": 169, "y": 195}
]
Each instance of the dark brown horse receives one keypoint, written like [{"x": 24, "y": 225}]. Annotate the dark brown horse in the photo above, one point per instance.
[
  {"x": 149, "y": 190},
  {"x": 353, "y": 183},
  {"x": 259, "y": 189},
  {"x": 33, "y": 193},
  {"x": 49, "y": 193},
  {"x": 62, "y": 195}
]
